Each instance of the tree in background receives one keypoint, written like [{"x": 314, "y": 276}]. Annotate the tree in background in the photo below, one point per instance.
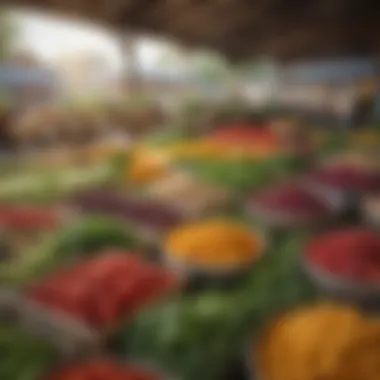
[{"x": 8, "y": 34}]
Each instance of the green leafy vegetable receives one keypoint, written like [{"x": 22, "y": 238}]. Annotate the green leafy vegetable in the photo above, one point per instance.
[
  {"x": 23, "y": 357},
  {"x": 198, "y": 337},
  {"x": 240, "y": 175},
  {"x": 52, "y": 184},
  {"x": 83, "y": 238}
]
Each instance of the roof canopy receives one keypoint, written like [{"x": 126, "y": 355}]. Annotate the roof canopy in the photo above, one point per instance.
[{"x": 284, "y": 29}]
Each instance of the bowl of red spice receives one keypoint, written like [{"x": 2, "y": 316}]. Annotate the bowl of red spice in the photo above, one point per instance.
[
  {"x": 103, "y": 291},
  {"x": 291, "y": 205},
  {"x": 346, "y": 263}
]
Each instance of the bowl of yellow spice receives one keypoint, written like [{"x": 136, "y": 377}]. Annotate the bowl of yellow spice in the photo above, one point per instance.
[
  {"x": 213, "y": 248},
  {"x": 323, "y": 341}
]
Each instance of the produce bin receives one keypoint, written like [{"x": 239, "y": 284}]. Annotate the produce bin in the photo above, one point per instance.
[{"x": 83, "y": 304}]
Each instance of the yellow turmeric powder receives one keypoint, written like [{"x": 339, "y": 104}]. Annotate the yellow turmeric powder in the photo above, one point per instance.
[
  {"x": 329, "y": 342},
  {"x": 214, "y": 243},
  {"x": 146, "y": 167}
]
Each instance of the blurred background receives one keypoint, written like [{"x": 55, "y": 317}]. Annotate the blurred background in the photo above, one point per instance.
[
  {"x": 50, "y": 64},
  {"x": 176, "y": 174}
]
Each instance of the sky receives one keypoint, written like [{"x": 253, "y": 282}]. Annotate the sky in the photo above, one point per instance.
[{"x": 50, "y": 37}]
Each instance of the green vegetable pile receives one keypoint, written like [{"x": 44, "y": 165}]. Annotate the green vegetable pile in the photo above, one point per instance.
[
  {"x": 241, "y": 175},
  {"x": 50, "y": 185},
  {"x": 198, "y": 337},
  {"x": 22, "y": 356},
  {"x": 84, "y": 237}
]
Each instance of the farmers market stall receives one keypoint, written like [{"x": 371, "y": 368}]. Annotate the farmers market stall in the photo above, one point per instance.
[
  {"x": 181, "y": 253},
  {"x": 223, "y": 252}
]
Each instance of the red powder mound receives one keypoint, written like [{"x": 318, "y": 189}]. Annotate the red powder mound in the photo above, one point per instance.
[
  {"x": 347, "y": 177},
  {"x": 244, "y": 135},
  {"x": 353, "y": 254},
  {"x": 292, "y": 199}
]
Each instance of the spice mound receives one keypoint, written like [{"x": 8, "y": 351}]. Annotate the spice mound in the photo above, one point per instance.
[
  {"x": 289, "y": 201},
  {"x": 347, "y": 177},
  {"x": 105, "y": 290},
  {"x": 327, "y": 341},
  {"x": 352, "y": 254},
  {"x": 214, "y": 244}
]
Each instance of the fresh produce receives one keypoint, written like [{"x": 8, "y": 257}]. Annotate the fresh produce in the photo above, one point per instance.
[
  {"x": 104, "y": 290},
  {"x": 234, "y": 175},
  {"x": 296, "y": 346},
  {"x": 22, "y": 227},
  {"x": 48, "y": 184},
  {"x": 214, "y": 244},
  {"x": 124, "y": 207},
  {"x": 245, "y": 137},
  {"x": 23, "y": 356},
  {"x": 224, "y": 147},
  {"x": 289, "y": 204},
  {"x": 223, "y": 144},
  {"x": 196, "y": 149},
  {"x": 351, "y": 254},
  {"x": 186, "y": 335},
  {"x": 102, "y": 369},
  {"x": 82, "y": 238},
  {"x": 94, "y": 234},
  {"x": 146, "y": 165}
]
